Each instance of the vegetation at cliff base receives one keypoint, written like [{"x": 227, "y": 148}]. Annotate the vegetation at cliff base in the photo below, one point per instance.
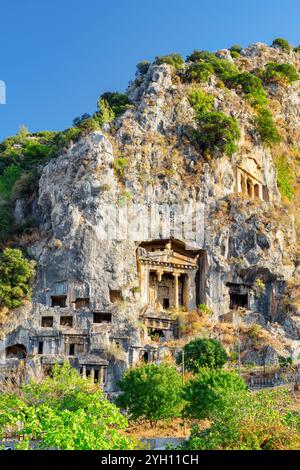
[
  {"x": 242, "y": 420},
  {"x": 151, "y": 392},
  {"x": 16, "y": 274},
  {"x": 205, "y": 392},
  {"x": 203, "y": 352},
  {"x": 63, "y": 412}
]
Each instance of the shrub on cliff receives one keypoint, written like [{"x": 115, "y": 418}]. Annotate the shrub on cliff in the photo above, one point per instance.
[
  {"x": 198, "y": 72},
  {"x": 151, "y": 392},
  {"x": 251, "y": 86},
  {"x": 16, "y": 274},
  {"x": 285, "y": 177},
  {"x": 280, "y": 72},
  {"x": 118, "y": 102},
  {"x": 174, "y": 59},
  {"x": 201, "y": 102},
  {"x": 63, "y": 412},
  {"x": 217, "y": 131},
  {"x": 203, "y": 352},
  {"x": 266, "y": 127},
  {"x": 282, "y": 44},
  {"x": 205, "y": 392}
]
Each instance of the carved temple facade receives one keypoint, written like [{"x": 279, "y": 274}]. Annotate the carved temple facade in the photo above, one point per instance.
[{"x": 168, "y": 273}]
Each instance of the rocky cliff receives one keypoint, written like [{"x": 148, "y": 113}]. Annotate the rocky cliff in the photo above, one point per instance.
[{"x": 247, "y": 254}]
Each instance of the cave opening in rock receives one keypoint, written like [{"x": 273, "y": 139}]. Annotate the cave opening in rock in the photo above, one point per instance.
[
  {"x": 58, "y": 301},
  {"x": 66, "y": 321},
  {"x": 238, "y": 300},
  {"x": 47, "y": 322},
  {"x": 16, "y": 351}
]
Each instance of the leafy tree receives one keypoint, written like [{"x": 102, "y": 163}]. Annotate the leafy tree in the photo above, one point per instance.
[
  {"x": 282, "y": 44},
  {"x": 201, "y": 102},
  {"x": 203, "y": 352},
  {"x": 217, "y": 131},
  {"x": 104, "y": 113},
  {"x": 198, "y": 72},
  {"x": 205, "y": 392},
  {"x": 275, "y": 72},
  {"x": 249, "y": 421},
  {"x": 118, "y": 102},
  {"x": 10, "y": 175},
  {"x": 151, "y": 392},
  {"x": 16, "y": 273},
  {"x": 174, "y": 59},
  {"x": 266, "y": 127},
  {"x": 64, "y": 412},
  {"x": 285, "y": 177}
]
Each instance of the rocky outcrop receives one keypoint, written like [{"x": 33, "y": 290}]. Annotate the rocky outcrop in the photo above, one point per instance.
[{"x": 147, "y": 158}]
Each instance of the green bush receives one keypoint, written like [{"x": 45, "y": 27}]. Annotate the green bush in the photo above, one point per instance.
[
  {"x": 236, "y": 48},
  {"x": 120, "y": 164},
  {"x": 200, "y": 101},
  {"x": 16, "y": 274},
  {"x": 252, "y": 87},
  {"x": 266, "y": 127},
  {"x": 174, "y": 59},
  {"x": 203, "y": 352},
  {"x": 297, "y": 49},
  {"x": 205, "y": 392},
  {"x": 151, "y": 392},
  {"x": 118, "y": 102},
  {"x": 217, "y": 131},
  {"x": 282, "y": 44},
  {"x": 280, "y": 72},
  {"x": 198, "y": 72},
  {"x": 285, "y": 177},
  {"x": 249, "y": 421},
  {"x": 63, "y": 412},
  {"x": 105, "y": 113},
  {"x": 143, "y": 66},
  {"x": 10, "y": 175}
]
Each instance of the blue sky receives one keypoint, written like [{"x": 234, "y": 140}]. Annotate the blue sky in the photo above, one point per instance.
[{"x": 58, "y": 56}]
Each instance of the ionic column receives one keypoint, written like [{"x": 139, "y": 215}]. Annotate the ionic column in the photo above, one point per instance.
[
  {"x": 92, "y": 374},
  {"x": 159, "y": 274},
  {"x": 176, "y": 291},
  {"x": 101, "y": 376},
  {"x": 84, "y": 372}
]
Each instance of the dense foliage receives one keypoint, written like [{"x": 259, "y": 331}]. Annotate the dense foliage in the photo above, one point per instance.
[
  {"x": 285, "y": 177},
  {"x": 174, "y": 59},
  {"x": 16, "y": 274},
  {"x": 217, "y": 131},
  {"x": 203, "y": 352},
  {"x": 205, "y": 392},
  {"x": 275, "y": 72},
  {"x": 282, "y": 44},
  {"x": 64, "y": 412},
  {"x": 249, "y": 421},
  {"x": 266, "y": 127},
  {"x": 151, "y": 392},
  {"x": 198, "y": 72}
]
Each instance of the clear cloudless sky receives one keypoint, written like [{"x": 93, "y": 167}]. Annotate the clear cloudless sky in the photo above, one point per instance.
[{"x": 58, "y": 56}]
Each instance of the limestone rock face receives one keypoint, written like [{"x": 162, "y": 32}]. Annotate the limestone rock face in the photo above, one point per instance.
[{"x": 244, "y": 252}]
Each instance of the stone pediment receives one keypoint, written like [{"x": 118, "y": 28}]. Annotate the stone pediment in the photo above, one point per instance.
[{"x": 168, "y": 258}]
